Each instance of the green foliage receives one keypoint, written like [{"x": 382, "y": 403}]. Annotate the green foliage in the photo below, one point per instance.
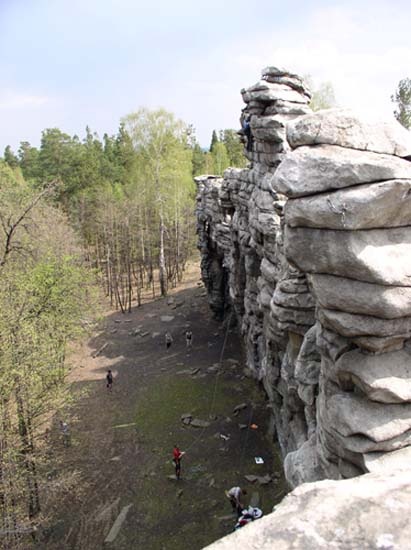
[
  {"x": 198, "y": 160},
  {"x": 163, "y": 182},
  {"x": 45, "y": 294},
  {"x": 146, "y": 169},
  {"x": 322, "y": 95},
  {"x": 10, "y": 158},
  {"x": 235, "y": 149},
  {"x": 225, "y": 150},
  {"x": 402, "y": 99},
  {"x": 220, "y": 158},
  {"x": 29, "y": 161},
  {"x": 131, "y": 197},
  {"x": 9, "y": 177},
  {"x": 214, "y": 140},
  {"x": 163, "y": 167}
]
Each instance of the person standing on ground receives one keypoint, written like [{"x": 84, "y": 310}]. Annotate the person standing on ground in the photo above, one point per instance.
[
  {"x": 169, "y": 340},
  {"x": 109, "y": 378},
  {"x": 189, "y": 339},
  {"x": 177, "y": 455},
  {"x": 65, "y": 432},
  {"x": 234, "y": 495}
]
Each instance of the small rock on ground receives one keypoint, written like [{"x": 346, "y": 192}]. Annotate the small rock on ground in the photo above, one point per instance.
[
  {"x": 167, "y": 318},
  {"x": 197, "y": 423}
]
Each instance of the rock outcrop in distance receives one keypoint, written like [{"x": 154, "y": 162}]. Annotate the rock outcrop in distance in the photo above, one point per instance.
[{"x": 310, "y": 246}]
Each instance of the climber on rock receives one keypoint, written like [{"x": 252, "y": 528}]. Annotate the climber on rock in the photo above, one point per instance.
[{"x": 247, "y": 132}]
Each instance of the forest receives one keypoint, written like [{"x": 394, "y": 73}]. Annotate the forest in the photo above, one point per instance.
[{"x": 82, "y": 218}]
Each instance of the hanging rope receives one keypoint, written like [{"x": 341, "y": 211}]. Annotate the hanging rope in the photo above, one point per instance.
[
  {"x": 211, "y": 411},
  {"x": 244, "y": 446}
]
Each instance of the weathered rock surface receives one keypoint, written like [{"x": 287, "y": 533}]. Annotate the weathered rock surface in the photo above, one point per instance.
[
  {"x": 353, "y": 415},
  {"x": 370, "y": 206},
  {"x": 309, "y": 248},
  {"x": 387, "y": 302},
  {"x": 377, "y": 344},
  {"x": 383, "y": 378},
  {"x": 368, "y": 512},
  {"x": 348, "y": 129},
  {"x": 311, "y": 170},
  {"x": 350, "y": 324},
  {"x": 302, "y": 465},
  {"x": 367, "y": 255},
  {"x": 388, "y": 462},
  {"x": 267, "y": 92}
]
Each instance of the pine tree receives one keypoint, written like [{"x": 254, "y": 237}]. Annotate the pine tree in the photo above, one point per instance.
[{"x": 214, "y": 140}]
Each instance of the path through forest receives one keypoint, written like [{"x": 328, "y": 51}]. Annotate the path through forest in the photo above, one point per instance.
[{"x": 121, "y": 451}]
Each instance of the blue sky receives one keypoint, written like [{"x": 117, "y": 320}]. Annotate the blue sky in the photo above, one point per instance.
[{"x": 71, "y": 63}]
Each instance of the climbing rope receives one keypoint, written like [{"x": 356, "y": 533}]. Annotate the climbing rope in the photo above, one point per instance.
[
  {"x": 212, "y": 404},
  {"x": 211, "y": 411},
  {"x": 244, "y": 446}
]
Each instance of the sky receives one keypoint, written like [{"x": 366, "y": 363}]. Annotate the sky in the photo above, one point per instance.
[{"x": 73, "y": 63}]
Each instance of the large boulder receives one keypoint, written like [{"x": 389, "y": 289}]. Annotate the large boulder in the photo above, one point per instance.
[
  {"x": 374, "y": 205},
  {"x": 268, "y": 128},
  {"x": 341, "y": 293},
  {"x": 302, "y": 466},
  {"x": 297, "y": 300},
  {"x": 347, "y": 129},
  {"x": 387, "y": 462},
  {"x": 308, "y": 362},
  {"x": 368, "y": 512},
  {"x": 352, "y": 415},
  {"x": 351, "y": 325},
  {"x": 374, "y": 255},
  {"x": 350, "y": 425},
  {"x": 383, "y": 378},
  {"x": 268, "y": 92},
  {"x": 283, "y": 76},
  {"x": 309, "y": 170},
  {"x": 380, "y": 344}
]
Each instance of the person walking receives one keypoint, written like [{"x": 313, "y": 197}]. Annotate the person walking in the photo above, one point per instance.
[
  {"x": 189, "y": 339},
  {"x": 234, "y": 495},
  {"x": 65, "y": 433},
  {"x": 169, "y": 339},
  {"x": 109, "y": 379},
  {"x": 177, "y": 455}
]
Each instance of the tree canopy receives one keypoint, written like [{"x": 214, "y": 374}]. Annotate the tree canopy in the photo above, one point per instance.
[
  {"x": 75, "y": 212},
  {"x": 322, "y": 95}
]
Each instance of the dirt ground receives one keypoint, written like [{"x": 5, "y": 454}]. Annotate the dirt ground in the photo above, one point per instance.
[{"x": 121, "y": 442}]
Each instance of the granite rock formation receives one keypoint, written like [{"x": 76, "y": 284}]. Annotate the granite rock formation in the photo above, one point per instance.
[{"x": 309, "y": 249}]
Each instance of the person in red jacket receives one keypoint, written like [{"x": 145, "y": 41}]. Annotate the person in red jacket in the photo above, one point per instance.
[{"x": 177, "y": 454}]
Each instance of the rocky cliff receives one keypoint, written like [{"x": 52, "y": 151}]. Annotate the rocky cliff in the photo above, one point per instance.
[{"x": 310, "y": 247}]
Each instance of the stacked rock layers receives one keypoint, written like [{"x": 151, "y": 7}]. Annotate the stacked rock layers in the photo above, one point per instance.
[
  {"x": 271, "y": 299},
  {"x": 348, "y": 221},
  {"x": 311, "y": 248}
]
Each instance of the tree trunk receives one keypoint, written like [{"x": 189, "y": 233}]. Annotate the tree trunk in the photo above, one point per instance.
[
  {"x": 161, "y": 260},
  {"x": 27, "y": 456}
]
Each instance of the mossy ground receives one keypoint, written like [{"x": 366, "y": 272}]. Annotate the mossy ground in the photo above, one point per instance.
[{"x": 191, "y": 509}]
